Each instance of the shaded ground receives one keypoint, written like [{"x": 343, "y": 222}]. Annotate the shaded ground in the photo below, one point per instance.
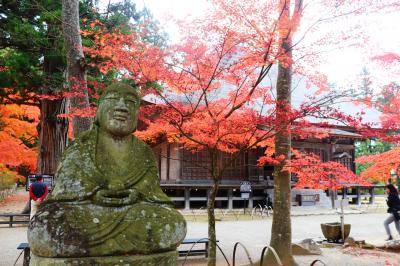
[{"x": 252, "y": 233}]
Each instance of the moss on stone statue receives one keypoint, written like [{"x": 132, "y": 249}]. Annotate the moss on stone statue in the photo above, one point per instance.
[{"x": 107, "y": 200}]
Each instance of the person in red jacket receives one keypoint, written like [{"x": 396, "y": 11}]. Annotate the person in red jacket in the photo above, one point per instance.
[{"x": 38, "y": 192}]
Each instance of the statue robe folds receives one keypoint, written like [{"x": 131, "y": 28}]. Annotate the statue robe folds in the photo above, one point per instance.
[{"x": 84, "y": 217}]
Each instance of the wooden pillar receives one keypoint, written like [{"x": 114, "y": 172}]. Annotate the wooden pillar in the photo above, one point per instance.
[
  {"x": 168, "y": 159},
  {"x": 160, "y": 163},
  {"x": 27, "y": 256},
  {"x": 344, "y": 193},
  {"x": 230, "y": 198},
  {"x": 358, "y": 199},
  {"x": 208, "y": 196},
  {"x": 187, "y": 198},
  {"x": 372, "y": 196},
  {"x": 250, "y": 206},
  {"x": 333, "y": 196}
]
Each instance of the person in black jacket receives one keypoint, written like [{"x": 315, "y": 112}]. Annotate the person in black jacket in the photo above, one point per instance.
[{"x": 393, "y": 202}]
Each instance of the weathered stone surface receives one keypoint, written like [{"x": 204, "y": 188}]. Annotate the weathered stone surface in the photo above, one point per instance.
[
  {"x": 333, "y": 231},
  {"x": 306, "y": 247},
  {"x": 350, "y": 242},
  {"x": 161, "y": 259},
  {"x": 107, "y": 200},
  {"x": 392, "y": 245}
]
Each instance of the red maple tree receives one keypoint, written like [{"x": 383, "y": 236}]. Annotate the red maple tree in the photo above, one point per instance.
[
  {"x": 387, "y": 101},
  {"x": 18, "y": 135},
  {"x": 211, "y": 89}
]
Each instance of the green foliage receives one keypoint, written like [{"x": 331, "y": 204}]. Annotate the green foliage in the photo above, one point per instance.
[
  {"x": 369, "y": 147},
  {"x": 29, "y": 142},
  {"x": 32, "y": 56},
  {"x": 2, "y": 124},
  {"x": 31, "y": 49},
  {"x": 388, "y": 94},
  {"x": 123, "y": 16},
  {"x": 7, "y": 177}
]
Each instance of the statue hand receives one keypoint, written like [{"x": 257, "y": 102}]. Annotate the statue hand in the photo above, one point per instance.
[
  {"x": 116, "y": 186},
  {"x": 108, "y": 197}
]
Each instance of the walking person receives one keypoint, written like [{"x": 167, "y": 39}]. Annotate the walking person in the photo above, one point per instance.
[
  {"x": 393, "y": 202},
  {"x": 38, "y": 192}
]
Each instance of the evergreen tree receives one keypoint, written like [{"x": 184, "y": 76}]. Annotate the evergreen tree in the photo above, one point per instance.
[{"x": 33, "y": 62}]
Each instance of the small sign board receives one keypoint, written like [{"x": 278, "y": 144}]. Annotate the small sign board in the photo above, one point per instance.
[
  {"x": 245, "y": 195},
  {"x": 47, "y": 179},
  {"x": 245, "y": 187},
  {"x": 245, "y": 190}
]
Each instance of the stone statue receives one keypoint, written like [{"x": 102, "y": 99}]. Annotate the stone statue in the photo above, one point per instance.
[{"x": 107, "y": 207}]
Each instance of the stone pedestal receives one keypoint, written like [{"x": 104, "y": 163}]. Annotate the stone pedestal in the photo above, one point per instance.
[{"x": 160, "y": 259}]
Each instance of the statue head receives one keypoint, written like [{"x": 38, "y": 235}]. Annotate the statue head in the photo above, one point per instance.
[{"x": 117, "y": 111}]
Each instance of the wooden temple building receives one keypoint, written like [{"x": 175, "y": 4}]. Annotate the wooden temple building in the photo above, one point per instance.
[{"x": 185, "y": 179}]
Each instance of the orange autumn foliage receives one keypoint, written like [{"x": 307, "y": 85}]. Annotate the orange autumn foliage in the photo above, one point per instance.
[
  {"x": 387, "y": 101},
  {"x": 18, "y": 135},
  {"x": 381, "y": 164},
  {"x": 311, "y": 172},
  {"x": 212, "y": 92}
]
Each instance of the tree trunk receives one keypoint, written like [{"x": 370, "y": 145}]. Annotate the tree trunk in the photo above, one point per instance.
[
  {"x": 53, "y": 135},
  {"x": 52, "y": 129},
  {"x": 76, "y": 74},
  {"x": 212, "y": 247},
  {"x": 281, "y": 235}
]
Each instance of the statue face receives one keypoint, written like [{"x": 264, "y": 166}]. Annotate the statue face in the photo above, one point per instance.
[{"x": 117, "y": 113}]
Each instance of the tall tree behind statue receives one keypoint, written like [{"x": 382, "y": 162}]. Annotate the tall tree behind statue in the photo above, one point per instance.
[
  {"x": 31, "y": 51},
  {"x": 76, "y": 72},
  {"x": 33, "y": 65}
]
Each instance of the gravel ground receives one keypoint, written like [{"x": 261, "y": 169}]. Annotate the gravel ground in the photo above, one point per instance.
[
  {"x": 252, "y": 234},
  {"x": 9, "y": 240}
]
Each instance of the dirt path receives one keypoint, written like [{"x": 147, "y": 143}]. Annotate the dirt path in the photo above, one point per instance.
[{"x": 15, "y": 203}]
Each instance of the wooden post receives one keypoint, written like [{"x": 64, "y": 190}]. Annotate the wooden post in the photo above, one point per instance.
[
  {"x": 230, "y": 198},
  {"x": 250, "y": 206},
  {"x": 208, "y": 195},
  {"x": 27, "y": 256},
  {"x": 168, "y": 159},
  {"x": 372, "y": 196},
  {"x": 342, "y": 219},
  {"x": 187, "y": 198},
  {"x": 358, "y": 191},
  {"x": 333, "y": 195}
]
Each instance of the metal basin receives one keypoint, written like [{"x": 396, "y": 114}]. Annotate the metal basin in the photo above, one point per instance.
[{"x": 333, "y": 233}]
